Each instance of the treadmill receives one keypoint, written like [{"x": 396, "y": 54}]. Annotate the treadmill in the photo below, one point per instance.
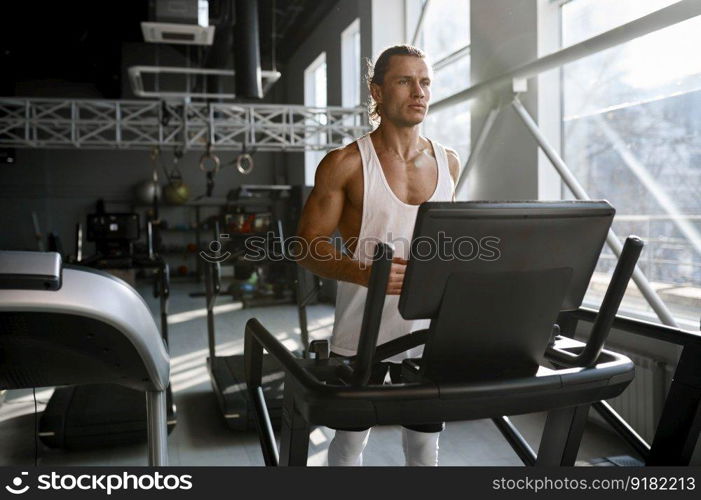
[
  {"x": 678, "y": 429},
  {"x": 55, "y": 329},
  {"x": 97, "y": 415},
  {"x": 227, "y": 372},
  {"x": 491, "y": 350}
]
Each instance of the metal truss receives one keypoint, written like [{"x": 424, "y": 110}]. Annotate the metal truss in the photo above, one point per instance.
[{"x": 102, "y": 124}]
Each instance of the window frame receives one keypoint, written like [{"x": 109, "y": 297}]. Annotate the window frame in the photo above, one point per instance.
[
  {"x": 351, "y": 67},
  {"x": 313, "y": 157}
]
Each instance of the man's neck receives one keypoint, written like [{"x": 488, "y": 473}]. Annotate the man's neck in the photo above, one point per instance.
[{"x": 402, "y": 141}]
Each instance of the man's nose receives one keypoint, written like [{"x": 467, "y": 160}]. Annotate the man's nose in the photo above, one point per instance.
[{"x": 418, "y": 90}]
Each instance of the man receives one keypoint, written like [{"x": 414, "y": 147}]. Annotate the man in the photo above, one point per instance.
[{"x": 370, "y": 190}]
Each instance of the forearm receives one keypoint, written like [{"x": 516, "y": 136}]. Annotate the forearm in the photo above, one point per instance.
[{"x": 325, "y": 260}]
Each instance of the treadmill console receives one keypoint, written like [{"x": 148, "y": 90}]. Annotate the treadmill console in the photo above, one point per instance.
[
  {"x": 113, "y": 234},
  {"x": 30, "y": 270}
]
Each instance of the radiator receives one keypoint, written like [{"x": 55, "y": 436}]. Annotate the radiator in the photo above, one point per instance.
[{"x": 642, "y": 401}]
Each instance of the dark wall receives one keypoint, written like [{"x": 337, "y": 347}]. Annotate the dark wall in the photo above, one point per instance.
[
  {"x": 325, "y": 38},
  {"x": 61, "y": 186}
]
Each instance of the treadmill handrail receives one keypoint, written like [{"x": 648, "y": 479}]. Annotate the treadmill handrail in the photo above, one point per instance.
[
  {"x": 673, "y": 335},
  {"x": 372, "y": 315},
  {"x": 609, "y": 306},
  {"x": 400, "y": 345},
  {"x": 257, "y": 338}
]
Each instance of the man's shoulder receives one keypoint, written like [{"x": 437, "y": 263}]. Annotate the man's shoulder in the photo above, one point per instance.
[
  {"x": 339, "y": 166},
  {"x": 343, "y": 160},
  {"x": 453, "y": 160},
  {"x": 349, "y": 152},
  {"x": 448, "y": 150}
]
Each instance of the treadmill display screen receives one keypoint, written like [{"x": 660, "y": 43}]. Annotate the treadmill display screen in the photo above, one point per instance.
[{"x": 123, "y": 227}]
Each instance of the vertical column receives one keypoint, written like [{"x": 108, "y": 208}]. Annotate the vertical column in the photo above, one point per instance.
[
  {"x": 549, "y": 93},
  {"x": 503, "y": 36},
  {"x": 387, "y": 24}
]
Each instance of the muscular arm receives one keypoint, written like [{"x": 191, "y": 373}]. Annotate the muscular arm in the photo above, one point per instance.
[{"x": 320, "y": 218}]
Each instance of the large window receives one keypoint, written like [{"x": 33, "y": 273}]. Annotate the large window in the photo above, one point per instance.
[
  {"x": 351, "y": 65},
  {"x": 315, "y": 96},
  {"x": 445, "y": 37},
  {"x": 632, "y": 135}
]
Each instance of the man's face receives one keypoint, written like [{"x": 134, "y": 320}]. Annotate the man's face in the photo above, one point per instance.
[{"x": 405, "y": 92}]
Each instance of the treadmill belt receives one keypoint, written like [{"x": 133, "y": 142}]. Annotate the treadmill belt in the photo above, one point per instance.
[
  {"x": 228, "y": 380},
  {"x": 93, "y": 416}
]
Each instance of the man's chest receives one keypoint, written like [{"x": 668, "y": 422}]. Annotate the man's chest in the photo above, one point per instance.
[{"x": 412, "y": 184}]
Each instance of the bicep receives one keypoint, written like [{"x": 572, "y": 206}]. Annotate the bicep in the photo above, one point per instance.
[{"x": 324, "y": 206}]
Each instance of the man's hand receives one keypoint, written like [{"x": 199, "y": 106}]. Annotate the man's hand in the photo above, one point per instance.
[{"x": 396, "y": 276}]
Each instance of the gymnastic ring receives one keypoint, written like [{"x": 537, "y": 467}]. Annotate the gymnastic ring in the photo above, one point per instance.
[
  {"x": 213, "y": 158},
  {"x": 244, "y": 163}
]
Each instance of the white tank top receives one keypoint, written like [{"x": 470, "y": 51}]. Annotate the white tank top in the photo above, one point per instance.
[{"x": 388, "y": 219}]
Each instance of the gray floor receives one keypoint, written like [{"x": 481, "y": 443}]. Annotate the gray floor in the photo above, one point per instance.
[{"x": 201, "y": 436}]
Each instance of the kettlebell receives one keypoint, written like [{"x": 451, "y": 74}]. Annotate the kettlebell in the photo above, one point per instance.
[{"x": 176, "y": 192}]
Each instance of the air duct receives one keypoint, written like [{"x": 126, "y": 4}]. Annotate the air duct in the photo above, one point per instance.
[
  {"x": 247, "y": 50},
  {"x": 179, "y": 22}
]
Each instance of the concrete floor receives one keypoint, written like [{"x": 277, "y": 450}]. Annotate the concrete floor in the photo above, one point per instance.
[{"x": 201, "y": 436}]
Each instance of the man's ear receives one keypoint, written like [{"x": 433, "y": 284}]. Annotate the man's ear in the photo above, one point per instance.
[{"x": 376, "y": 93}]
